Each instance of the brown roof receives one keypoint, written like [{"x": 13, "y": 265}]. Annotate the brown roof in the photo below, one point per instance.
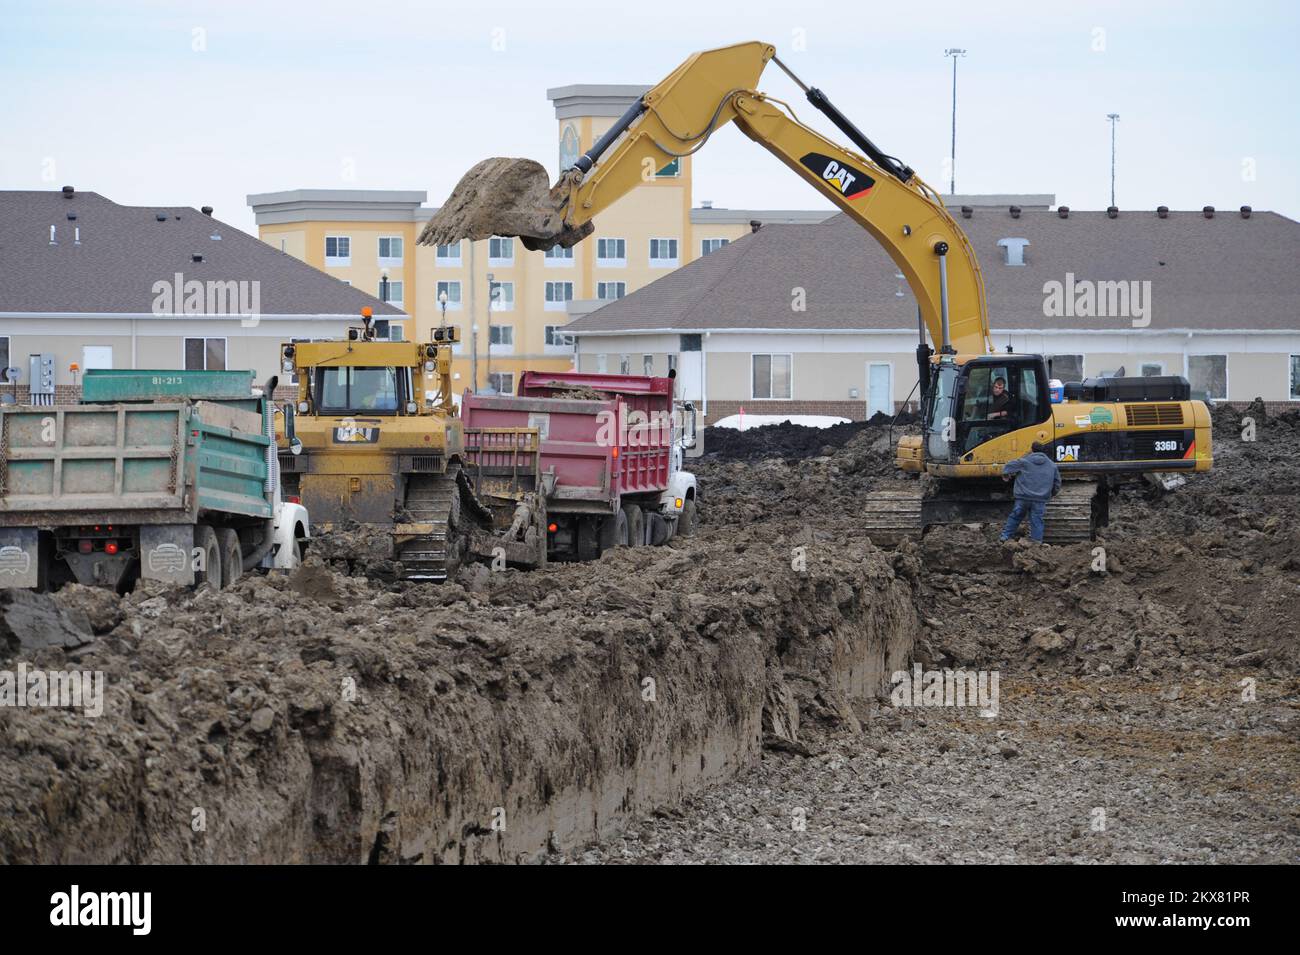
[
  {"x": 124, "y": 250},
  {"x": 1225, "y": 272}
]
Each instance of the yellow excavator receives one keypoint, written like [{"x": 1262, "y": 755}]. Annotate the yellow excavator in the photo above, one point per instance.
[
  {"x": 1100, "y": 431},
  {"x": 374, "y": 446}
]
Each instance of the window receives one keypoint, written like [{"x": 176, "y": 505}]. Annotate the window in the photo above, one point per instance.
[
  {"x": 502, "y": 335},
  {"x": 558, "y": 257},
  {"x": 611, "y": 253},
  {"x": 1066, "y": 367},
  {"x": 503, "y": 296},
  {"x": 608, "y": 291},
  {"x": 690, "y": 343},
  {"x": 447, "y": 256},
  {"x": 349, "y": 388},
  {"x": 501, "y": 251},
  {"x": 602, "y": 364},
  {"x": 663, "y": 253},
  {"x": 556, "y": 338},
  {"x": 390, "y": 250},
  {"x": 1152, "y": 369},
  {"x": 96, "y": 356},
  {"x": 386, "y": 330},
  {"x": 4, "y": 358},
  {"x": 1295, "y": 373},
  {"x": 452, "y": 291},
  {"x": 771, "y": 376},
  {"x": 205, "y": 354},
  {"x": 502, "y": 382},
  {"x": 712, "y": 245},
  {"x": 1208, "y": 375},
  {"x": 647, "y": 365},
  {"x": 394, "y": 292},
  {"x": 625, "y": 364},
  {"x": 557, "y": 294},
  {"x": 338, "y": 250},
  {"x": 672, "y": 363}
]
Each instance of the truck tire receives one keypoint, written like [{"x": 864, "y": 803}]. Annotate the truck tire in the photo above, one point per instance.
[
  {"x": 209, "y": 574},
  {"x": 613, "y": 531},
  {"x": 686, "y": 519},
  {"x": 232, "y": 556},
  {"x": 635, "y": 525}
]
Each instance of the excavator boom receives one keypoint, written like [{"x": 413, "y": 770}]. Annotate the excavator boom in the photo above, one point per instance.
[{"x": 676, "y": 118}]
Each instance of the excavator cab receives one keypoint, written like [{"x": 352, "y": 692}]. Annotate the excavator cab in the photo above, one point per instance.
[{"x": 973, "y": 402}]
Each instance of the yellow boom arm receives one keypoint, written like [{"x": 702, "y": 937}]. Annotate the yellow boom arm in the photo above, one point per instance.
[{"x": 716, "y": 87}]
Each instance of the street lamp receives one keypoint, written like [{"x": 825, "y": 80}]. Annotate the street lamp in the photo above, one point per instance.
[
  {"x": 953, "y": 52},
  {"x": 1114, "y": 118},
  {"x": 442, "y": 304},
  {"x": 494, "y": 292}
]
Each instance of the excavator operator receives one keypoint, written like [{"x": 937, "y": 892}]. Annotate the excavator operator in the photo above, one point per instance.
[{"x": 1000, "y": 404}]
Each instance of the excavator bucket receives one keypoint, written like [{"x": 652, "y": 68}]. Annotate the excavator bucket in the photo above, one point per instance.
[{"x": 505, "y": 197}]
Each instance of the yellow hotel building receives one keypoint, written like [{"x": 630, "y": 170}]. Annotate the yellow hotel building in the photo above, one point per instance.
[{"x": 367, "y": 238}]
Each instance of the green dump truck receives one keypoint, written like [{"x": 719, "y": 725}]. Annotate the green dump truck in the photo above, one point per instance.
[{"x": 161, "y": 475}]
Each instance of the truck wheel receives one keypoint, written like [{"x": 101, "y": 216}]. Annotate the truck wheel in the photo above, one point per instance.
[
  {"x": 686, "y": 519},
  {"x": 635, "y": 525},
  {"x": 209, "y": 573},
  {"x": 232, "y": 556}
]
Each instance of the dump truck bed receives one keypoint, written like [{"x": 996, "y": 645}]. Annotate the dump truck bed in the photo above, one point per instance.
[
  {"x": 602, "y": 436},
  {"x": 152, "y": 462}
]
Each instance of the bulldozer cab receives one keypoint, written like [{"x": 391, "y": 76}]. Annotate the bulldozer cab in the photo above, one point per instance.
[{"x": 976, "y": 401}]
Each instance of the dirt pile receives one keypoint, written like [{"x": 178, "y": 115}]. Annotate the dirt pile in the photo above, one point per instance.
[
  {"x": 505, "y": 197},
  {"x": 321, "y": 717}
]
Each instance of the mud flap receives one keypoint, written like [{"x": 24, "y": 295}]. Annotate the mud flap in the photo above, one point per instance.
[
  {"x": 20, "y": 558},
  {"x": 167, "y": 553}
]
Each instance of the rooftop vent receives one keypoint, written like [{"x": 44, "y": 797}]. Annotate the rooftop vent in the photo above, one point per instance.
[
  {"x": 68, "y": 192},
  {"x": 1162, "y": 212},
  {"x": 1208, "y": 212},
  {"x": 161, "y": 216},
  {"x": 755, "y": 225},
  {"x": 966, "y": 212},
  {"x": 72, "y": 217},
  {"x": 706, "y": 203},
  {"x": 196, "y": 256},
  {"x": 1112, "y": 212},
  {"x": 1063, "y": 212},
  {"x": 206, "y": 210},
  {"x": 53, "y": 241},
  {"x": 1015, "y": 212},
  {"x": 1014, "y": 250},
  {"x": 1245, "y": 212}
]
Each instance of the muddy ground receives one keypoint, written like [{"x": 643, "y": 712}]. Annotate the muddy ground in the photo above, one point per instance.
[
  {"x": 1147, "y": 713},
  {"x": 320, "y": 716}
]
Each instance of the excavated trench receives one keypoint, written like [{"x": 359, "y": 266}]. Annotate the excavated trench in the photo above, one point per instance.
[{"x": 317, "y": 717}]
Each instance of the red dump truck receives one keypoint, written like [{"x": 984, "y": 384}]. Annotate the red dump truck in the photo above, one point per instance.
[{"x": 610, "y": 449}]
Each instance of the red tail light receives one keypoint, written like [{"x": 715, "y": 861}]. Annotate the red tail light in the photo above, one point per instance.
[
  {"x": 85, "y": 546},
  {"x": 294, "y": 499},
  {"x": 552, "y": 527},
  {"x": 110, "y": 547}
]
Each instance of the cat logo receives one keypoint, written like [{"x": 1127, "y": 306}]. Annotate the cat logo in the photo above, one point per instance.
[
  {"x": 349, "y": 432},
  {"x": 1067, "y": 452},
  {"x": 852, "y": 183}
]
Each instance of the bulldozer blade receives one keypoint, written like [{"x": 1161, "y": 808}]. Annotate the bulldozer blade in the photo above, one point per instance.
[{"x": 505, "y": 197}]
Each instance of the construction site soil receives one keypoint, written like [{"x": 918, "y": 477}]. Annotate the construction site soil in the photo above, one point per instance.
[{"x": 726, "y": 697}]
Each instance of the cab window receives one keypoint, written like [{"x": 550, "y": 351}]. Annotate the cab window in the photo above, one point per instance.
[{"x": 350, "y": 389}]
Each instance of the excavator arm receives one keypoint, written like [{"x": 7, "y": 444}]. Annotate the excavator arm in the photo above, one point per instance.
[
  {"x": 715, "y": 87},
  {"x": 676, "y": 118}
]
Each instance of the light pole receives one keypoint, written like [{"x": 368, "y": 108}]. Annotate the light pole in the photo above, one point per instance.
[
  {"x": 442, "y": 304},
  {"x": 1114, "y": 118},
  {"x": 953, "y": 52},
  {"x": 493, "y": 291}
]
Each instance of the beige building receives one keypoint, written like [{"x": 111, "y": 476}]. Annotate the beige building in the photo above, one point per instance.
[
  {"x": 87, "y": 283},
  {"x": 1212, "y": 296},
  {"x": 367, "y": 237}
]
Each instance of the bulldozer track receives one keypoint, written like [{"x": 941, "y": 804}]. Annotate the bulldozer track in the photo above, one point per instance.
[{"x": 446, "y": 501}]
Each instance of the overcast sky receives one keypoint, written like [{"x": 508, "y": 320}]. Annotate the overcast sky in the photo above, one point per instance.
[{"x": 177, "y": 103}]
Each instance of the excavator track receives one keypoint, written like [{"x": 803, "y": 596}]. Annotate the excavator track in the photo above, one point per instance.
[{"x": 892, "y": 516}]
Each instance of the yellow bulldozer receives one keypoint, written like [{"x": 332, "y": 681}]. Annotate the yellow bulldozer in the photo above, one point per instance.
[{"x": 374, "y": 443}]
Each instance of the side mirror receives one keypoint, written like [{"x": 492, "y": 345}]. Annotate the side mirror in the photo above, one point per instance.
[
  {"x": 689, "y": 442},
  {"x": 295, "y": 446}
]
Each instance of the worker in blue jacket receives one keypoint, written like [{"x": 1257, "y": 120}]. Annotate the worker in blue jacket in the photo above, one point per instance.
[{"x": 1038, "y": 479}]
